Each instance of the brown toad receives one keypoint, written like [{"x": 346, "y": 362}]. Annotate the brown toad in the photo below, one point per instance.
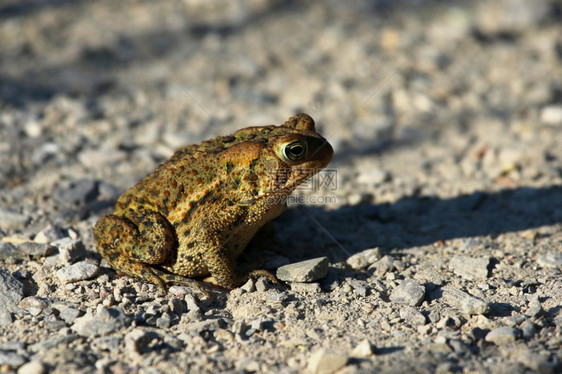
[{"x": 195, "y": 214}]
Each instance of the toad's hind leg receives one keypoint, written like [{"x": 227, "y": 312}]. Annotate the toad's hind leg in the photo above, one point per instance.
[{"x": 132, "y": 245}]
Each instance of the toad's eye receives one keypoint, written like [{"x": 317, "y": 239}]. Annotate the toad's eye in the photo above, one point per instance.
[{"x": 295, "y": 151}]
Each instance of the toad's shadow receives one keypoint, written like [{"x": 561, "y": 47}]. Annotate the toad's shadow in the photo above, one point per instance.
[{"x": 306, "y": 232}]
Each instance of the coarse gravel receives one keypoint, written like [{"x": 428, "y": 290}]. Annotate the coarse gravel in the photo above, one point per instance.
[{"x": 440, "y": 215}]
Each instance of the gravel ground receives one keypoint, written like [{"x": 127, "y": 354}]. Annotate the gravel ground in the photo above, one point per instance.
[{"x": 440, "y": 214}]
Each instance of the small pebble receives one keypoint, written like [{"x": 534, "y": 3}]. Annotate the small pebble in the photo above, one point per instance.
[
  {"x": 11, "y": 290},
  {"x": 32, "y": 367},
  {"x": 409, "y": 292},
  {"x": 79, "y": 271},
  {"x": 11, "y": 359},
  {"x": 465, "y": 302},
  {"x": 528, "y": 329},
  {"x": 534, "y": 309},
  {"x": 70, "y": 250},
  {"x": 35, "y": 249},
  {"x": 262, "y": 284},
  {"x": 412, "y": 316},
  {"x": 105, "y": 321},
  {"x": 9, "y": 251},
  {"x": 364, "y": 259},
  {"x": 552, "y": 115},
  {"x": 503, "y": 335},
  {"x": 49, "y": 234},
  {"x": 363, "y": 349},
  {"x": 325, "y": 362},
  {"x": 137, "y": 341},
  {"x": 304, "y": 271},
  {"x": 69, "y": 315}
]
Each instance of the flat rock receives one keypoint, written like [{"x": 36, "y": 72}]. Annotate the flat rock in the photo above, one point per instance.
[
  {"x": 304, "y": 271},
  {"x": 409, "y": 292},
  {"x": 79, "y": 271},
  {"x": 104, "y": 322},
  {"x": 11, "y": 359},
  {"x": 412, "y": 316},
  {"x": 11, "y": 291},
  {"x": 469, "y": 267},
  {"x": 503, "y": 335},
  {"x": 464, "y": 302},
  {"x": 35, "y": 249},
  {"x": 8, "y": 250}
]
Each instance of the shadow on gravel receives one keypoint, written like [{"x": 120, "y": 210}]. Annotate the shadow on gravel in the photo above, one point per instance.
[
  {"x": 416, "y": 221},
  {"x": 95, "y": 70}
]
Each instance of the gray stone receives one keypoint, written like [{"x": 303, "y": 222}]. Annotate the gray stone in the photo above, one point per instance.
[
  {"x": 165, "y": 320},
  {"x": 528, "y": 329},
  {"x": 11, "y": 359},
  {"x": 11, "y": 291},
  {"x": 138, "y": 340},
  {"x": 9, "y": 251},
  {"x": 105, "y": 321},
  {"x": 470, "y": 268},
  {"x": 107, "y": 343},
  {"x": 69, "y": 315},
  {"x": 262, "y": 284},
  {"x": 32, "y": 302},
  {"x": 52, "y": 343},
  {"x": 503, "y": 335},
  {"x": 382, "y": 266},
  {"x": 464, "y": 302},
  {"x": 364, "y": 259},
  {"x": 325, "y": 362},
  {"x": 5, "y": 317},
  {"x": 70, "y": 250},
  {"x": 35, "y": 249},
  {"x": 249, "y": 286},
  {"x": 304, "y": 271},
  {"x": 191, "y": 304},
  {"x": 79, "y": 271},
  {"x": 534, "y": 309},
  {"x": 10, "y": 220},
  {"x": 409, "y": 292},
  {"x": 551, "y": 260},
  {"x": 412, "y": 316}
]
